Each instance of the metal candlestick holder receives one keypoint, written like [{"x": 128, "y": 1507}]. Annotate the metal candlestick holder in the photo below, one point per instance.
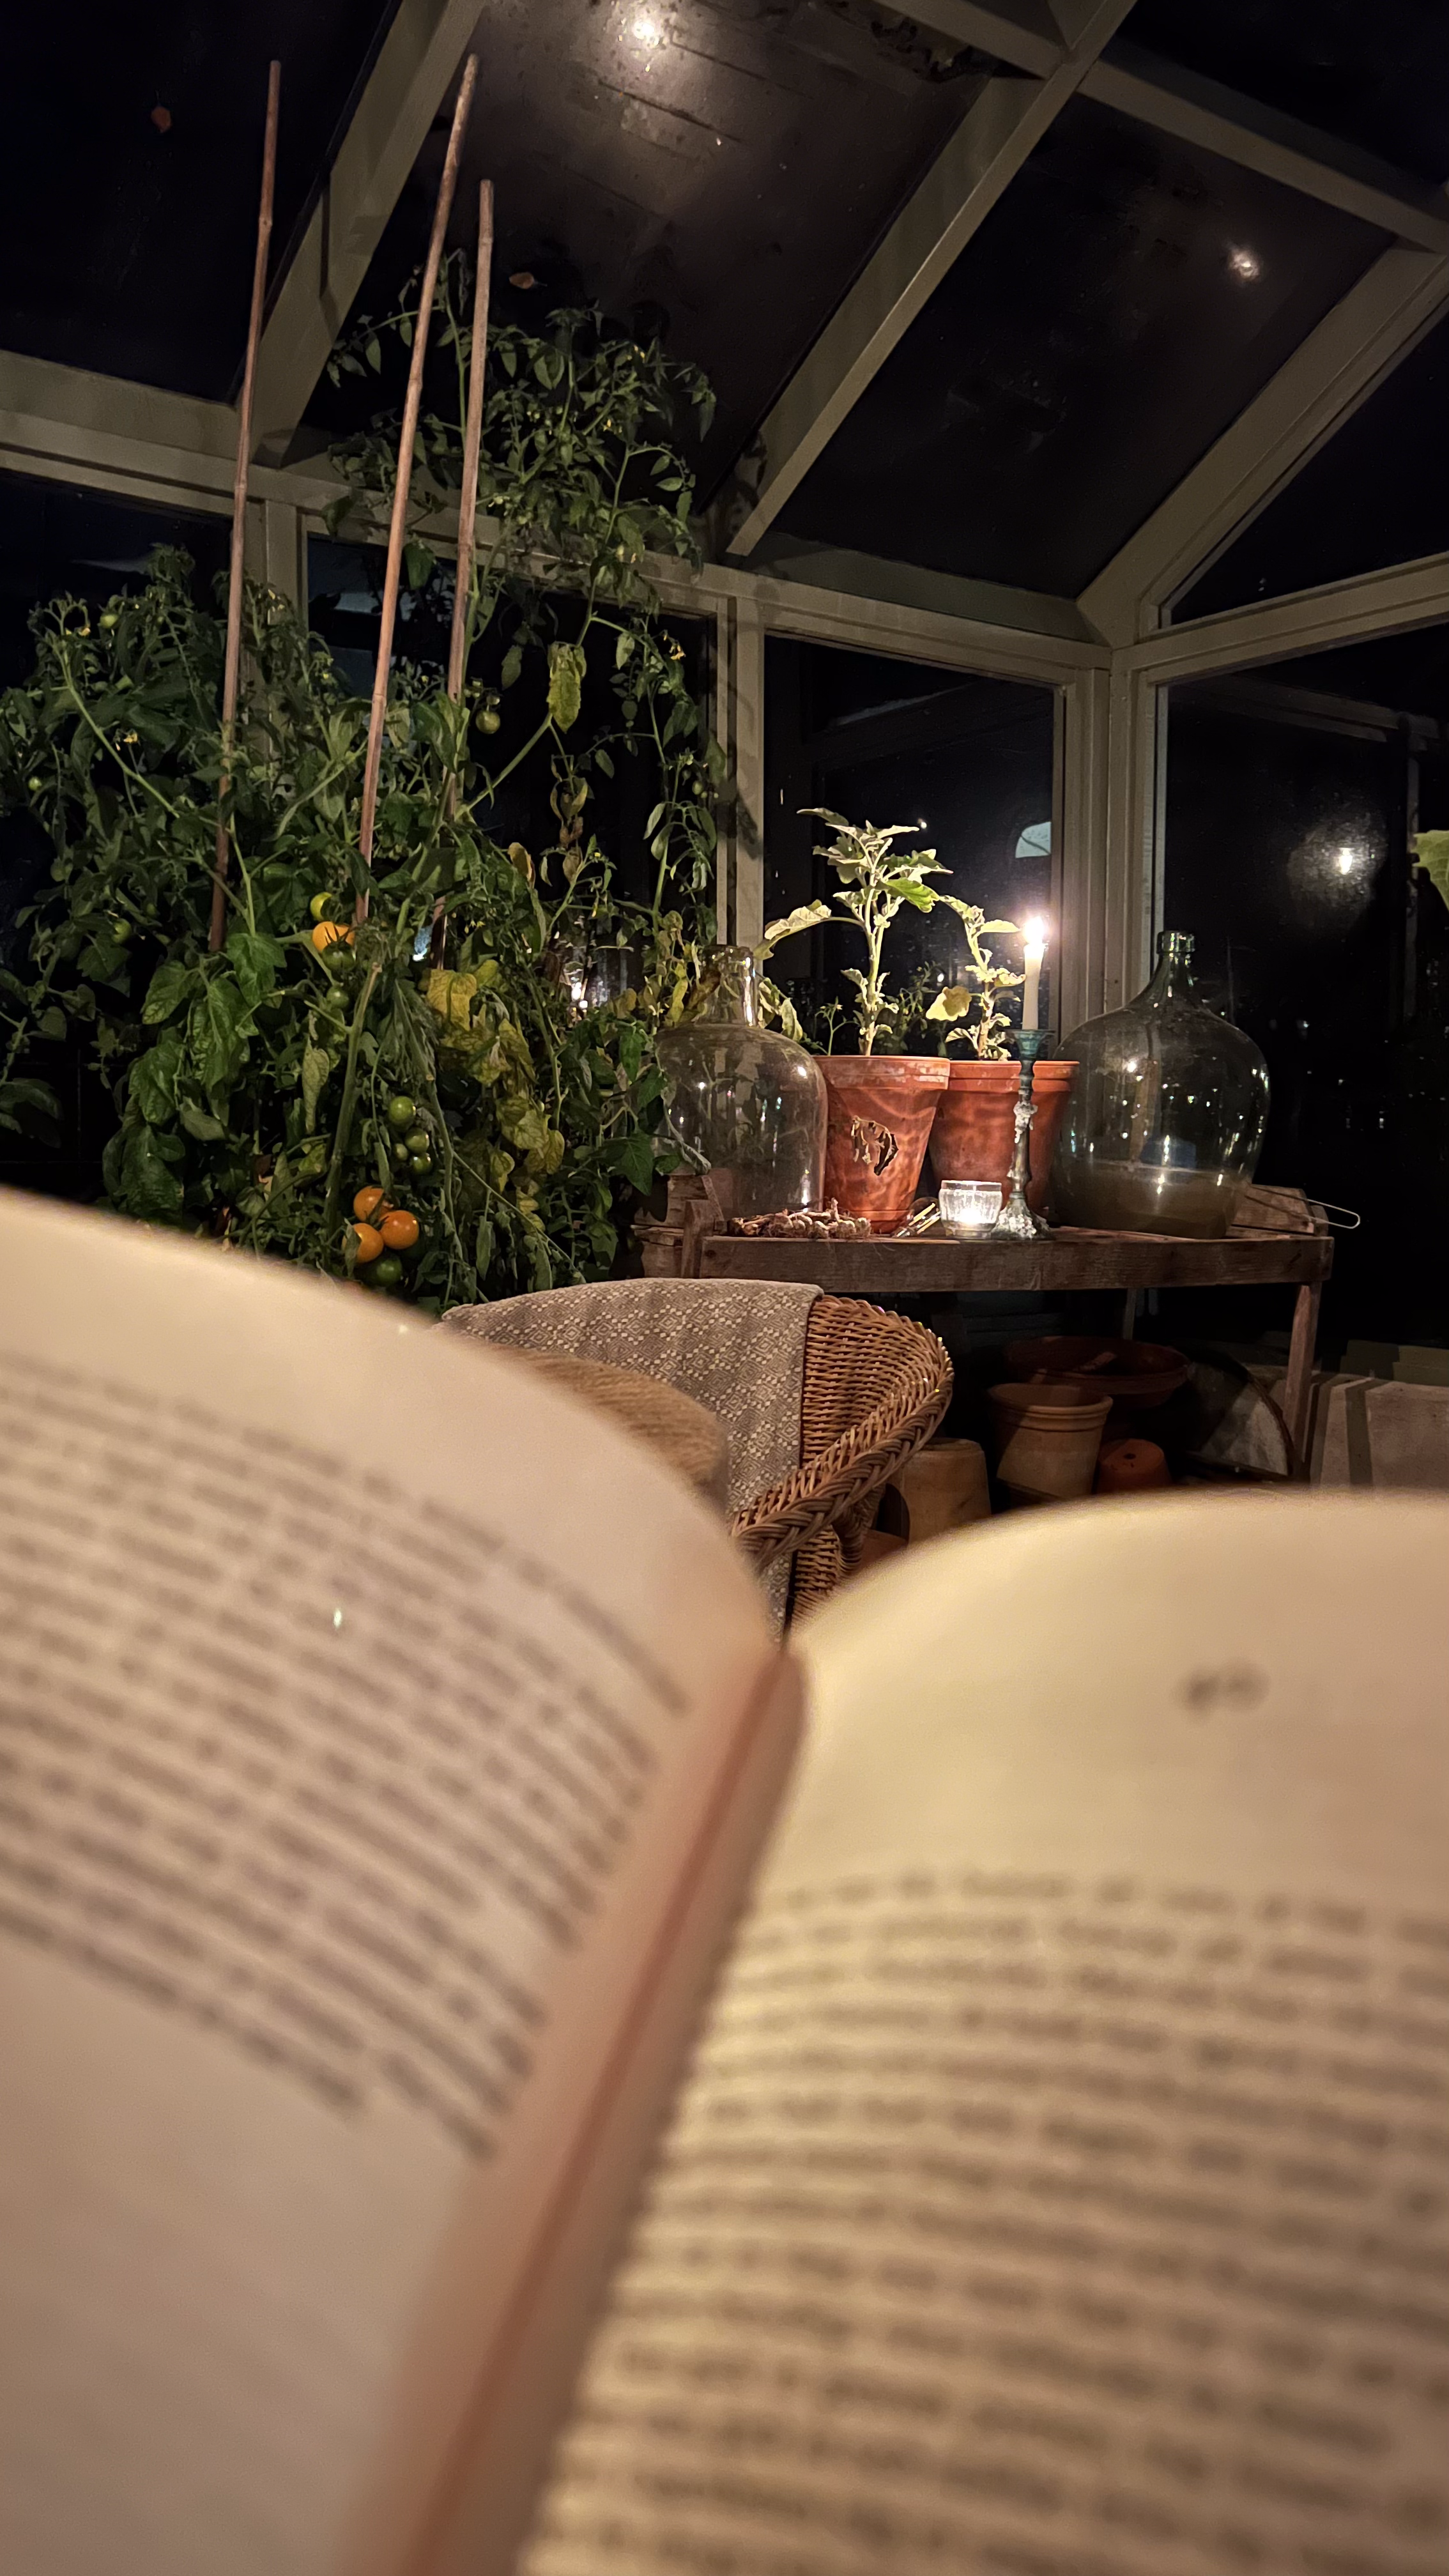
[{"x": 1016, "y": 1224}]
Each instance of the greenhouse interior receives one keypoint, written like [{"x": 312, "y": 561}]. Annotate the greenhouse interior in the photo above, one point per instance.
[{"x": 724, "y": 1158}]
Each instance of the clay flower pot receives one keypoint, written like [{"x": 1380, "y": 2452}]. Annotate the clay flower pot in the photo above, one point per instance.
[
  {"x": 975, "y": 1133},
  {"x": 1046, "y": 1440},
  {"x": 880, "y": 1114}
]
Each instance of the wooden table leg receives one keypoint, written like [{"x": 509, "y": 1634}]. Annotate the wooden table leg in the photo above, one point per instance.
[{"x": 1298, "y": 1384}]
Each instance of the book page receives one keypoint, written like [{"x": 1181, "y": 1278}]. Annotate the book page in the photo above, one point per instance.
[
  {"x": 1062, "y": 2188},
  {"x": 382, "y": 1741}
]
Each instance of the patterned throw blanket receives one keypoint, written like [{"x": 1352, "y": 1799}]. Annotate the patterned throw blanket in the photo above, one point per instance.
[{"x": 736, "y": 1345}]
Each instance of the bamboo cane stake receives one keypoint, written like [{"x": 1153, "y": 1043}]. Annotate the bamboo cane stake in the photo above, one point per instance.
[
  {"x": 472, "y": 447},
  {"x": 459, "y": 638},
  {"x": 392, "y": 580},
  {"x": 231, "y": 672}
]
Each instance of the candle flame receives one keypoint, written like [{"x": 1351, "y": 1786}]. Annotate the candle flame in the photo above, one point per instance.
[{"x": 1034, "y": 932}]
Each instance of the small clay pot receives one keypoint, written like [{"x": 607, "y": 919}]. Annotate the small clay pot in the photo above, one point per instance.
[
  {"x": 880, "y": 1114},
  {"x": 1131, "y": 1467},
  {"x": 974, "y": 1136},
  {"x": 1046, "y": 1441},
  {"x": 943, "y": 1487}
]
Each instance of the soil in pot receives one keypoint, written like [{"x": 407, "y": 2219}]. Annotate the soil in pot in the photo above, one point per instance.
[
  {"x": 881, "y": 1109},
  {"x": 974, "y": 1136}
]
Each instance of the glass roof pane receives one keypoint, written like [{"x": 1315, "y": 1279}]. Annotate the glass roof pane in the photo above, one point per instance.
[
  {"x": 1123, "y": 301},
  {"x": 1378, "y": 77},
  {"x": 1377, "y": 493},
  {"x": 712, "y": 173},
  {"x": 131, "y": 175}
]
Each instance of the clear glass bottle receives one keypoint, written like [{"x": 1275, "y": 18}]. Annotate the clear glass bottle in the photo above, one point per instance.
[
  {"x": 1166, "y": 1116},
  {"x": 750, "y": 1103}
]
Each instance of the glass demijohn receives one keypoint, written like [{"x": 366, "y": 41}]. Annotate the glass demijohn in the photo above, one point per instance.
[
  {"x": 1166, "y": 1117},
  {"x": 748, "y": 1103}
]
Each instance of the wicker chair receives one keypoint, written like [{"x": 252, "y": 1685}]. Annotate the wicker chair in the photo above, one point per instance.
[{"x": 875, "y": 1388}]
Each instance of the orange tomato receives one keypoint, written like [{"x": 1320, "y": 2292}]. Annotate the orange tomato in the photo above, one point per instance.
[
  {"x": 369, "y": 1243},
  {"x": 399, "y": 1229},
  {"x": 369, "y": 1202},
  {"x": 327, "y": 933}
]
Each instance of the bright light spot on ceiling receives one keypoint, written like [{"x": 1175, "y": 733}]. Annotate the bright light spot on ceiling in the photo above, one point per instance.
[
  {"x": 647, "y": 29},
  {"x": 1245, "y": 264},
  {"x": 1347, "y": 859}
]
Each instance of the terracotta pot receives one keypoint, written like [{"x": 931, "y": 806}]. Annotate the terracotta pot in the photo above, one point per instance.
[
  {"x": 881, "y": 1108},
  {"x": 1131, "y": 1467},
  {"x": 1046, "y": 1441},
  {"x": 975, "y": 1132},
  {"x": 1136, "y": 1375},
  {"x": 942, "y": 1488}
]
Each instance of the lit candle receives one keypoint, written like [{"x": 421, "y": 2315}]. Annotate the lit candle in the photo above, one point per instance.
[{"x": 1034, "y": 933}]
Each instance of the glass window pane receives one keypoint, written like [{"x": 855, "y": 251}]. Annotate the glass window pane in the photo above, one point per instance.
[
  {"x": 1376, "y": 76},
  {"x": 1122, "y": 302},
  {"x": 1292, "y": 792},
  {"x": 890, "y": 741},
  {"x": 1377, "y": 493},
  {"x": 717, "y": 175},
  {"x": 131, "y": 174}
]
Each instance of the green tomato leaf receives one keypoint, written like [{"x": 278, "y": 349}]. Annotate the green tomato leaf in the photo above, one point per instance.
[
  {"x": 257, "y": 962},
  {"x": 153, "y": 1080},
  {"x": 635, "y": 1159},
  {"x": 566, "y": 667},
  {"x": 316, "y": 1066},
  {"x": 170, "y": 986},
  {"x": 149, "y": 1187},
  {"x": 199, "y": 1122},
  {"x": 1431, "y": 849}
]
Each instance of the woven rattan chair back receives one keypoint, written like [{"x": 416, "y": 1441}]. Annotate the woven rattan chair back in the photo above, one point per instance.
[{"x": 876, "y": 1386}]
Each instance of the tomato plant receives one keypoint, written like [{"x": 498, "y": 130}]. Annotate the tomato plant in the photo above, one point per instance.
[{"x": 261, "y": 1090}]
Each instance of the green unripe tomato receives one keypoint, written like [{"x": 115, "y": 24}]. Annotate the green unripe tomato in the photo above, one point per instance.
[
  {"x": 490, "y": 721},
  {"x": 420, "y": 1165},
  {"x": 388, "y": 1271},
  {"x": 35, "y": 785},
  {"x": 418, "y": 1141},
  {"x": 401, "y": 1113},
  {"x": 109, "y": 617},
  {"x": 120, "y": 932},
  {"x": 318, "y": 905}
]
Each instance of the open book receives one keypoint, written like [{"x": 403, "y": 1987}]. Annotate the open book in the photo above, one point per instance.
[{"x": 1057, "y": 2185}]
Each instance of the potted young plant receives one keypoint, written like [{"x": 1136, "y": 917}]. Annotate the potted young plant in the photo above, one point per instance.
[
  {"x": 974, "y": 1135},
  {"x": 880, "y": 1104}
]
